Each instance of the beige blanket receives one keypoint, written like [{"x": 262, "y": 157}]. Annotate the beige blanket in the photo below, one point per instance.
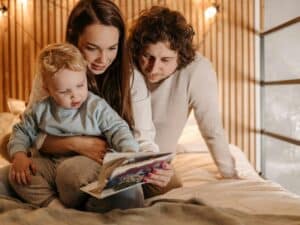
[
  {"x": 160, "y": 212},
  {"x": 249, "y": 201}
]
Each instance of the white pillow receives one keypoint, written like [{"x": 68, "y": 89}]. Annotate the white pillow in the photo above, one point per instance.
[
  {"x": 191, "y": 139},
  {"x": 7, "y": 120},
  {"x": 16, "y": 106}
]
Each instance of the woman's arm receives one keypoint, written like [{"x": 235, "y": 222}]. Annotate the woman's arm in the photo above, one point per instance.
[{"x": 92, "y": 147}]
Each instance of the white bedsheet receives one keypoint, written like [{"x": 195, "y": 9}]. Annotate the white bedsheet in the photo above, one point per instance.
[
  {"x": 252, "y": 194},
  {"x": 201, "y": 180}
]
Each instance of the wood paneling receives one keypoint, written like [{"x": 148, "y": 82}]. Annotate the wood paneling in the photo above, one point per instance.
[
  {"x": 23, "y": 32},
  {"x": 227, "y": 40}
]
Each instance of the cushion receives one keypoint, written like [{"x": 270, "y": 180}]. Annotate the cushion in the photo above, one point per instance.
[
  {"x": 191, "y": 139},
  {"x": 16, "y": 106},
  {"x": 7, "y": 120}
]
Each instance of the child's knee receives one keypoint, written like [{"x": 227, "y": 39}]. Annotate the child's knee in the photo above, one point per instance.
[{"x": 76, "y": 171}]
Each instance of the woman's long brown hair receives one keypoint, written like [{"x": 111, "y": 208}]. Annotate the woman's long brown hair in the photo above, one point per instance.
[{"x": 114, "y": 84}]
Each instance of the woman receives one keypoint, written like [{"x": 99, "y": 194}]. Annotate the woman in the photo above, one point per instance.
[
  {"x": 97, "y": 29},
  {"x": 179, "y": 80}
]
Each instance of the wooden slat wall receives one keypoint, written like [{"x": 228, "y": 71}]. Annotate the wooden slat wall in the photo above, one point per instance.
[
  {"x": 28, "y": 26},
  {"x": 227, "y": 40}
]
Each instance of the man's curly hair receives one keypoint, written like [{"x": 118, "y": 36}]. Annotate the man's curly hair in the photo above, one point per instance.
[{"x": 160, "y": 24}]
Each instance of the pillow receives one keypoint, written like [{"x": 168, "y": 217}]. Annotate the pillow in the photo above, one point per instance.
[
  {"x": 191, "y": 139},
  {"x": 16, "y": 106},
  {"x": 7, "y": 120}
]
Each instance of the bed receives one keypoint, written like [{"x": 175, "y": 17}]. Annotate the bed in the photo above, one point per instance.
[{"x": 204, "y": 198}]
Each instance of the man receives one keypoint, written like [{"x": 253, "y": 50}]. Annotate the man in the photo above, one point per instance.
[{"x": 179, "y": 80}]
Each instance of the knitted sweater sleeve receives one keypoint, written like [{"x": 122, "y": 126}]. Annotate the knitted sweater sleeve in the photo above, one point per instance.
[
  {"x": 203, "y": 96},
  {"x": 144, "y": 131}
]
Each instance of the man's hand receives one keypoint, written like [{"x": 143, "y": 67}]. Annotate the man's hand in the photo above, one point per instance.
[{"x": 22, "y": 168}]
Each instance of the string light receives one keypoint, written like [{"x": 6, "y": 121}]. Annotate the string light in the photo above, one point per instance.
[
  {"x": 23, "y": 2},
  {"x": 3, "y": 10},
  {"x": 211, "y": 11}
]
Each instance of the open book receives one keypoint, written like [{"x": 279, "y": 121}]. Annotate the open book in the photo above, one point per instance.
[{"x": 121, "y": 171}]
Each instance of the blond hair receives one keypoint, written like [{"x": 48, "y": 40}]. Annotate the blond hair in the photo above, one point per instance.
[{"x": 56, "y": 57}]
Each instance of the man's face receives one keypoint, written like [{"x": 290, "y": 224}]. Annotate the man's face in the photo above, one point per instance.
[{"x": 158, "y": 61}]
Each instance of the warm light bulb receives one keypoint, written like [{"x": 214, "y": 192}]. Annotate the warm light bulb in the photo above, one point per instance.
[
  {"x": 3, "y": 10},
  {"x": 210, "y": 12},
  {"x": 23, "y": 2}
]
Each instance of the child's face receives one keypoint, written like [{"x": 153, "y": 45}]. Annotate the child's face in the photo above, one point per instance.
[{"x": 68, "y": 88}]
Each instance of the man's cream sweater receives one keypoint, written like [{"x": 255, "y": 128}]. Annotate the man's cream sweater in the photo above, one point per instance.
[{"x": 193, "y": 87}]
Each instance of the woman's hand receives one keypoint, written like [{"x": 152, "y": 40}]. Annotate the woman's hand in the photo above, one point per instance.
[
  {"x": 89, "y": 146},
  {"x": 92, "y": 147},
  {"x": 160, "y": 177}
]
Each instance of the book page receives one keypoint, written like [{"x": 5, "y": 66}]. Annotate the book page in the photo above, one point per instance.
[{"x": 125, "y": 170}]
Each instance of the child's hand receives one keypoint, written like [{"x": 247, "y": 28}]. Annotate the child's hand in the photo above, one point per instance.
[
  {"x": 21, "y": 168},
  {"x": 160, "y": 177}
]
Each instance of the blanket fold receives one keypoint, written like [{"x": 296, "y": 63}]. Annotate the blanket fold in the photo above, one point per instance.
[{"x": 162, "y": 211}]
